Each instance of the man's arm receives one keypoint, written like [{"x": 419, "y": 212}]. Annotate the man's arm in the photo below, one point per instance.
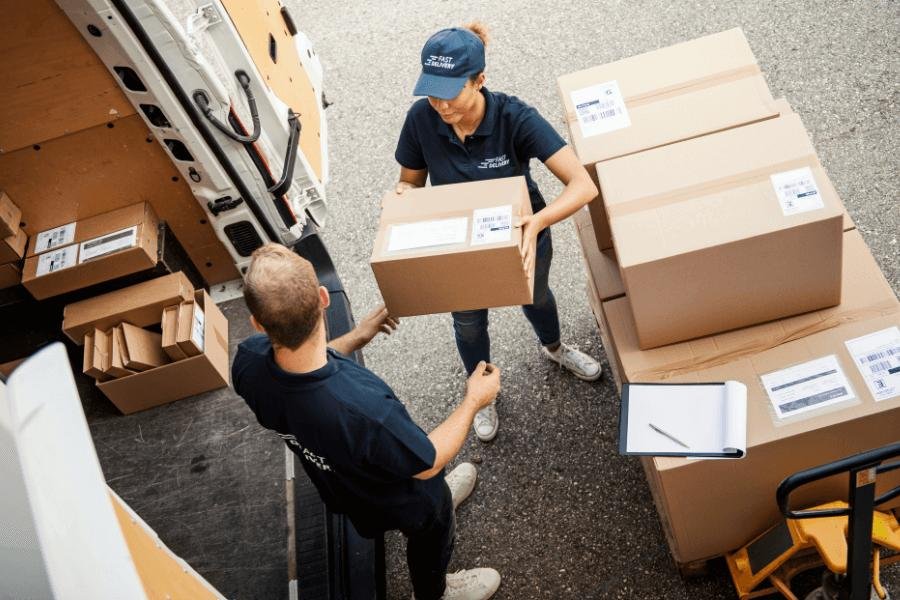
[
  {"x": 376, "y": 321},
  {"x": 448, "y": 437}
]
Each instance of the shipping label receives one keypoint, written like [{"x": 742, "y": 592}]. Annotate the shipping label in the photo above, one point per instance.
[
  {"x": 797, "y": 191},
  {"x": 808, "y": 386},
  {"x": 428, "y": 234},
  {"x": 53, "y": 238},
  {"x": 197, "y": 331},
  {"x": 56, "y": 260},
  {"x": 877, "y": 356},
  {"x": 492, "y": 225},
  {"x": 600, "y": 109},
  {"x": 107, "y": 244}
]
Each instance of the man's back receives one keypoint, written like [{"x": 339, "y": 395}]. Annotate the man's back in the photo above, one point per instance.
[{"x": 358, "y": 444}]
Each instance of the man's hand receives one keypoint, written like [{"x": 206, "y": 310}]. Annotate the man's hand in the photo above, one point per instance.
[
  {"x": 531, "y": 227},
  {"x": 483, "y": 384},
  {"x": 376, "y": 321}
]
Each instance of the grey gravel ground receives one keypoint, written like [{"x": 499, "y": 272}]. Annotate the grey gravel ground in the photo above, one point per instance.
[{"x": 557, "y": 511}]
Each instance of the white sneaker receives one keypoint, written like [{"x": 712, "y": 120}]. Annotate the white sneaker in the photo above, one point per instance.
[
  {"x": 461, "y": 482},
  {"x": 580, "y": 364},
  {"x": 471, "y": 584},
  {"x": 486, "y": 423}
]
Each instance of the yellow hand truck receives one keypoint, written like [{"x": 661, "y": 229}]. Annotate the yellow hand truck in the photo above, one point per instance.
[{"x": 846, "y": 537}]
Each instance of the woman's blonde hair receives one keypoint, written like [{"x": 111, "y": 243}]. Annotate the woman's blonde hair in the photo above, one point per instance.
[{"x": 479, "y": 29}]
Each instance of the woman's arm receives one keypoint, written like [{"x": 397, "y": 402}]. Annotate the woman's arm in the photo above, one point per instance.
[
  {"x": 578, "y": 191},
  {"x": 411, "y": 178}
]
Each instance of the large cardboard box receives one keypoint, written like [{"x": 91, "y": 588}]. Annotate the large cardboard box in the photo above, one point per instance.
[
  {"x": 96, "y": 249},
  {"x": 710, "y": 507},
  {"x": 10, "y": 216},
  {"x": 732, "y": 229},
  {"x": 453, "y": 247},
  {"x": 141, "y": 305},
  {"x": 661, "y": 97},
  {"x": 176, "y": 380}
]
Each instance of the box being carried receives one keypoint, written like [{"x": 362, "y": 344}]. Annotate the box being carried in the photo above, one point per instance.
[
  {"x": 820, "y": 386},
  {"x": 684, "y": 91},
  {"x": 453, "y": 247},
  {"x": 92, "y": 250},
  {"x": 732, "y": 229}
]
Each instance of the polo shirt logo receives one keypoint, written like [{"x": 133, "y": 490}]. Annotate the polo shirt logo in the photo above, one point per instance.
[
  {"x": 493, "y": 163},
  {"x": 440, "y": 62},
  {"x": 318, "y": 461}
]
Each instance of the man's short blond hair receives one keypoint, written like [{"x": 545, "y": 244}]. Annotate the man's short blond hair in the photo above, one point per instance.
[{"x": 282, "y": 292}]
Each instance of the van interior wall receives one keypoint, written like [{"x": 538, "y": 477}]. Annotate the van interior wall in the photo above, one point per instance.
[{"x": 71, "y": 144}]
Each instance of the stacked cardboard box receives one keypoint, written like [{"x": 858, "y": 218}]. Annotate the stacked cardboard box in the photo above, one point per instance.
[
  {"x": 12, "y": 242},
  {"x": 125, "y": 335},
  {"x": 736, "y": 260}
]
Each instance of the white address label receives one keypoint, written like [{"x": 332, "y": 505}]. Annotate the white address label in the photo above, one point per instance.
[
  {"x": 877, "y": 356},
  {"x": 427, "y": 234},
  {"x": 197, "y": 331},
  {"x": 600, "y": 108},
  {"x": 797, "y": 191},
  {"x": 107, "y": 244},
  {"x": 808, "y": 386},
  {"x": 53, "y": 238},
  {"x": 492, "y": 225},
  {"x": 56, "y": 260}
]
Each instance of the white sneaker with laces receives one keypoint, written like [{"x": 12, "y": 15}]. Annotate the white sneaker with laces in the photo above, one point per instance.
[
  {"x": 471, "y": 584},
  {"x": 486, "y": 423},
  {"x": 461, "y": 482},
  {"x": 580, "y": 364}
]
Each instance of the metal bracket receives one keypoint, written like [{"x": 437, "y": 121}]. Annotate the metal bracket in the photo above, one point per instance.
[{"x": 203, "y": 18}]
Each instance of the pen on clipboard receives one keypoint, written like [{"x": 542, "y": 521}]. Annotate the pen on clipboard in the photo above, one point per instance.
[{"x": 668, "y": 435}]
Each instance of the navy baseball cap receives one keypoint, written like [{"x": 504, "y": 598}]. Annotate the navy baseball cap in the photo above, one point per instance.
[{"x": 449, "y": 58}]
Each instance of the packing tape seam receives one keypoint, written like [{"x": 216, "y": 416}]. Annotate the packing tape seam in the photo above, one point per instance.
[
  {"x": 687, "y": 87},
  {"x": 682, "y": 367},
  {"x": 760, "y": 175}
]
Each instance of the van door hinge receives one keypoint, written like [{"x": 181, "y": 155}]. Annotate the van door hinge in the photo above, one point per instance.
[{"x": 205, "y": 17}]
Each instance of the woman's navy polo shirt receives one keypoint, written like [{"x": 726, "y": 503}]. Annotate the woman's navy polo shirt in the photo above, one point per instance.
[
  {"x": 508, "y": 137},
  {"x": 356, "y": 441}
]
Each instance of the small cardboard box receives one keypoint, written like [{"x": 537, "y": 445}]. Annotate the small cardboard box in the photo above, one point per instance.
[
  {"x": 699, "y": 518},
  {"x": 176, "y": 380},
  {"x": 96, "y": 354},
  {"x": 142, "y": 349},
  {"x": 169, "y": 325},
  {"x": 114, "y": 363},
  {"x": 10, "y": 275},
  {"x": 602, "y": 265},
  {"x": 139, "y": 304},
  {"x": 453, "y": 247},
  {"x": 10, "y": 216},
  {"x": 12, "y": 247},
  {"x": 93, "y": 250},
  {"x": 189, "y": 333},
  {"x": 732, "y": 229},
  {"x": 661, "y": 97}
]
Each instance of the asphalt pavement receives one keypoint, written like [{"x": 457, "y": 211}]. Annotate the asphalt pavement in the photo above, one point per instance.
[{"x": 557, "y": 511}]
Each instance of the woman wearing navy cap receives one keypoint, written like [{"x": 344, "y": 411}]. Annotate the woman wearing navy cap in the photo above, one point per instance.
[{"x": 463, "y": 132}]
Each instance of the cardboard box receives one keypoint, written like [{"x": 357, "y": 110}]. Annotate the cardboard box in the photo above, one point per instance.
[
  {"x": 189, "y": 333},
  {"x": 139, "y": 304},
  {"x": 176, "y": 380},
  {"x": 10, "y": 275},
  {"x": 99, "y": 248},
  {"x": 10, "y": 216},
  {"x": 700, "y": 518},
  {"x": 661, "y": 97},
  {"x": 602, "y": 265},
  {"x": 96, "y": 354},
  {"x": 114, "y": 361},
  {"x": 12, "y": 247},
  {"x": 142, "y": 349},
  {"x": 703, "y": 224},
  {"x": 169, "y": 326},
  {"x": 429, "y": 258}
]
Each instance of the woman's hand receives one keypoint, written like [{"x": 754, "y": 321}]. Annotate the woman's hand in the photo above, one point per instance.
[
  {"x": 402, "y": 186},
  {"x": 531, "y": 226}
]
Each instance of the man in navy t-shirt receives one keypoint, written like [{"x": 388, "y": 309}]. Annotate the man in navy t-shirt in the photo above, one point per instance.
[{"x": 357, "y": 443}]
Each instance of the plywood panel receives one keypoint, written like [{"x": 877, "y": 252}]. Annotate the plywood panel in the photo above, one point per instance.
[
  {"x": 255, "y": 20},
  {"x": 53, "y": 83},
  {"x": 160, "y": 571},
  {"x": 103, "y": 168}
]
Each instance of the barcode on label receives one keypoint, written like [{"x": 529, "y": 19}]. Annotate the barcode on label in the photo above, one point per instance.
[
  {"x": 880, "y": 355},
  {"x": 880, "y": 366},
  {"x": 108, "y": 244},
  {"x": 56, "y": 260},
  {"x": 877, "y": 356}
]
